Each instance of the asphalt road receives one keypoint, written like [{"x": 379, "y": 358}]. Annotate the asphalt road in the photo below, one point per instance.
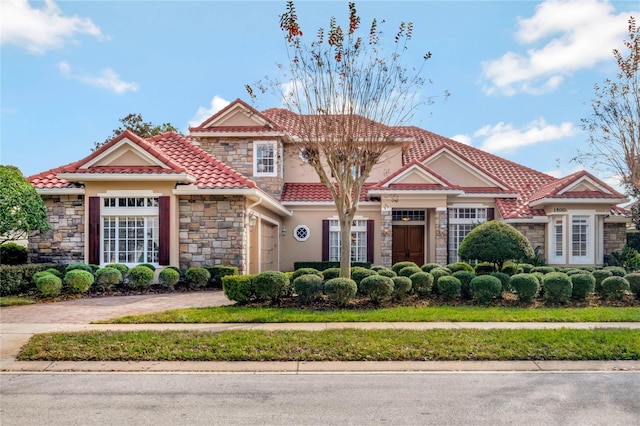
[{"x": 611, "y": 398}]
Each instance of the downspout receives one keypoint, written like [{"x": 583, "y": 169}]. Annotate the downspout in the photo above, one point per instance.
[{"x": 247, "y": 225}]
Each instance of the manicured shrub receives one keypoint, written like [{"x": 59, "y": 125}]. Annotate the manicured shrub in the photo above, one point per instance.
[
  {"x": 600, "y": 275},
  {"x": 400, "y": 265},
  {"x": 495, "y": 242},
  {"x": 331, "y": 273},
  {"x": 407, "y": 271},
  {"x": 272, "y": 285},
  {"x": 197, "y": 277},
  {"x": 55, "y": 272},
  {"x": 526, "y": 267},
  {"x": 427, "y": 267},
  {"x": 359, "y": 273},
  {"x": 148, "y": 265},
  {"x": 308, "y": 286},
  {"x": 485, "y": 288},
  {"x": 376, "y": 287},
  {"x": 460, "y": 266},
  {"x": 120, "y": 267},
  {"x": 378, "y": 268},
  {"x": 219, "y": 271},
  {"x": 140, "y": 277},
  {"x": 305, "y": 271},
  {"x": 401, "y": 287},
  {"x": 168, "y": 277},
  {"x": 422, "y": 283},
  {"x": 81, "y": 266},
  {"x": 526, "y": 286},
  {"x": 634, "y": 283},
  {"x": 544, "y": 269},
  {"x": 465, "y": 278},
  {"x": 617, "y": 271},
  {"x": 557, "y": 287},
  {"x": 13, "y": 254},
  {"x": 485, "y": 268},
  {"x": 107, "y": 278},
  {"x": 18, "y": 279},
  {"x": 340, "y": 290},
  {"x": 48, "y": 285},
  {"x": 505, "y": 279},
  {"x": 437, "y": 273},
  {"x": 386, "y": 273},
  {"x": 77, "y": 281},
  {"x": 584, "y": 285},
  {"x": 449, "y": 287},
  {"x": 239, "y": 288},
  {"x": 573, "y": 271},
  {"x": 615, "y": 287},
  {"x": 511, "y": 269}
]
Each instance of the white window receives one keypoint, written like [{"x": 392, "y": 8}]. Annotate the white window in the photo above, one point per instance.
[
  {"x": 264, "y": 158},
  {"x": 580, "y": 237},
  {"x": 557, "y": 240},
  {"x": 461, "y": 221},
  {"x": 572, "y": 238},
  {"x": 301, "y": 233},
  {"x": 358, "y": 241},
  {"x": 129, "y": 230}
]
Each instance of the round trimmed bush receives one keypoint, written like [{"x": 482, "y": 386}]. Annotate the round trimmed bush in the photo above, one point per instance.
[
  {"x": 449, "y": 287},
  {"x": 526, "y": 268},
  {"x": 55, "y": 272},
  {"x": 460, "y": 266},
  {"x": 238, "y": 288},
  {"x": 386, "y": 273},
  {"x": 272, "y": 285},
  {"x": 81, "y": 266},
  {"x": 48, "y": 284},
  {"x": 422, "y": 283},
  {"x": 340, "y": 290},
  {"x": 305, "y": 271},
  {"x": 39, "y": 274},
  {"x": 140, "y": 277},
  {"x": 544, "y": 269},
  {"x": 401, "y": 287},
  {"x": 600, "y": 275},
  {"x": 120, "y": 267},
  {"x": 358, "y": 273},
  {"x": 617, "y": 271},
  {"x": 634, "y": 283},
  {"x": 465, "y": 278},
  {"x": 376, "y": 287},
  {"x": 78, "y": 281},
  {"x": 378, "y": 268},
  {"x": 485, "y": 288},
  {"x": 331, "y": 273},
  {"x": 427, "y": 267},
  {"x": 107, "y": 278},
  {"x": 439, "y": 272},
  {"x": 197, "y": 277},
  {"x": 615, "y": 287},
  {"x": 148, "y": 265},
  {"x": 557, "y": 287},
  {"x": 584, "y": 285},
  {"x": 407, "y": 271},
  {"x": 526, "y": 286},
  {"x": 511, "y": 269},
  {"x": 308, "y": 286},
  {"x": 168, "y": 278},
  {"x": 485, "y": 268},
  {"x": 505, "y": 279},
  {"x": 397, "y": 267},
  {"x": 13, "y": 254}
]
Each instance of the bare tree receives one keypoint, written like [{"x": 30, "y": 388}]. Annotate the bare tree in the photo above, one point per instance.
[
  {"x": 614, "y": 123},
  {"x": 348, "y": 93}
]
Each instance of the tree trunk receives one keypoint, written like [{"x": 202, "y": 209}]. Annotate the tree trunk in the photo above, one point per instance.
[{"x": 345, "y": 244}]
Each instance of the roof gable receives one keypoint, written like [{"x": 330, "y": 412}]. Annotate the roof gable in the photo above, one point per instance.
[
  {"x": 238, "y": 116},
  {"x": 579, "y": 185},
  {"x": 414, "y": 173}
]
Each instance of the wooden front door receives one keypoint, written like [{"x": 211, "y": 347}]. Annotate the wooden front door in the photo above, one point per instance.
[{"x": 408, "y": 244}]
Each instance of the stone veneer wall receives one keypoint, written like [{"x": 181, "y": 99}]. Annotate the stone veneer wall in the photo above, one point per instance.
[
  {"x": 535, "y": 233},
  {"x": 238, "y": 154},
  {"x": 212, "y": 231},
  {"x": 615, "y": 237},
  {"x": 386, "y": 239},
  {"x": 64, "y": 243},
  {"x": 441, "y": 237}
]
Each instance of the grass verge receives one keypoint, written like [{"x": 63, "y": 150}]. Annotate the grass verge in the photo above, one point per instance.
[
  {"x": 240, "y": 314},
  {"x": 14, "y": 301},
  {"x": 336, "y": 345}
]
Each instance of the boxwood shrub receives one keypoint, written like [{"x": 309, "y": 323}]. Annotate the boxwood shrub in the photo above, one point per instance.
[
  {"x": 359, "y": 273},
  {"x": 449, "y": 287},
  {"x": 140, "y": 277},
  {"x": 505, "y": 279},
  {"x": 584, "y": 285},
  {"x": 331, "y": 273},
  {"x": 397, "y": 267},
  {"x": 308, "y": 286},
  {"x": 511, "y": 269},
  {"x": 401, "y": 287},
  {"x": 18, "y": 279},
  {"x": 107, "y": 279},
  {"x": 81, "y": 266},
  {"x": 239, "y": 288},
  {"x": 557, "y": 287},
  {"x": 526, "y": 286},
  {"x": 422, "y": 283},
  {"x": 120, "y": 267},
  {"x": 13, "y": 254},
  {"x": 272, "y": 285},
  {"x": 340, "y": 290},
  {"x": 148, "y": 265},
  {"x": 617, "y": 271},
  {"x": 386, "y": 273},
  {"x": 407, "y": 271},
  {"x": 219, "y": 271},
  {"x": 615, "y": 287},
  {"x": 600, "y": 275},
  {"x": 465, "y": 278},
  {"x": 78, "y": 281},
  {"x": 634, "y": 283},
  {"x": 427, "y": 267},
  {"x": 376, "y": 287},
  {"x": 485, "y": 268},
  {"x": 48, "y": 284},
  {"x": 460, "y": 266},
  {"x": 485, "y": 288},
  {"x": 197, "y": 277},
  {"x": 544, "y": 269},
  {"x": 305, "y": 271},
  {"x": 168, "y": 277}
]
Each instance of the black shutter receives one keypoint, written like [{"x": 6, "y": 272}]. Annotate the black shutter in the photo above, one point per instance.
[
  {"x": 164, "y": 231},
  {"x": 490, "y": 214},
  {"x": 370, "y": 241},
  {"x": 325, "y": 240},
  {"x": 94, "y": 230}
]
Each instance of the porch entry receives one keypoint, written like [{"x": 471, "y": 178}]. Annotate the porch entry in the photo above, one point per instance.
[{"x": 408, "y": 236}]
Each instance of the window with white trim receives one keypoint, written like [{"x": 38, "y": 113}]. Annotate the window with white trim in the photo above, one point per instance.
[
  {"x": 358, "y": 241},
  {"x": 579, "y": 236},
  {"x": 264, "y": 158},
  {"x": 461, "y": 221},
  {"x": 129, "y": 230}
]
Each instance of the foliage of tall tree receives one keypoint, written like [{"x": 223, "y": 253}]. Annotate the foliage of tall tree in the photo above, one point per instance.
[
  {"x": 136, "y": 124},
  {"x": 614, "y": 122},
  {"x": 22, "y": 210},
  {"x": 341, "y": 83}
]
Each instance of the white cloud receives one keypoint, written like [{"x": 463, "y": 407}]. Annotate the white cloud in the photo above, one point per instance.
[
  {"x": 565, "y": 36},
  {"x": 39, "y": 30},
  {"x": 108, "y": 79},
  {"x": 502, "y": 137},
  {"x": 559, "y": 172},
  {"x": 217, "y": 103},
  {"x": 465, "y": 139}
]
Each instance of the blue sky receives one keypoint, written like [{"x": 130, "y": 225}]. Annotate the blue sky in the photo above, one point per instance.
[{"x": 520, "y": 73}]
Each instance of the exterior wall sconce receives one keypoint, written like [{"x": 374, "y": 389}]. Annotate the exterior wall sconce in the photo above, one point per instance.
[
  {"x": 386, "y": 229},
  {"x": 253, "y": 219},
  {"x": 283, "y": 230}
]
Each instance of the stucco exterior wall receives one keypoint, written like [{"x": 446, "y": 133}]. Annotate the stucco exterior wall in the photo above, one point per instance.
[
  {"x": 65, "y": 242},
  {"x": 212, "y": 231}
]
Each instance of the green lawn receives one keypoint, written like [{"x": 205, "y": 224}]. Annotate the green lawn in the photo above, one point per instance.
[
  {"x": 239, "y": 314},
  {"x": 336, "y": 345},
  {"x": 15, "y": 301}
]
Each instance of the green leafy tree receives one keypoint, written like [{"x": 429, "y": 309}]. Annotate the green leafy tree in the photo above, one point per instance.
[
  {"x": 495, "y": 242},
  {"x": 341, "y": 83},
  {"x": 614, "y": 123},
  {"x": 22, "y": 210},
  {"x": 135, "y": 123}
]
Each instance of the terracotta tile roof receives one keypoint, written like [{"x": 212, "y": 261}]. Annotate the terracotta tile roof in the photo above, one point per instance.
[
  {"x": 313, "y": 192},
  {"x": 49, "y": 179},
  {"x": 552, "y": 189},
  {"x": 270, "y": 125}
]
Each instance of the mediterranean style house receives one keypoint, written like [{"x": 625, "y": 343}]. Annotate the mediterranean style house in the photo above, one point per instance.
[{"x": 237, "y": 191}]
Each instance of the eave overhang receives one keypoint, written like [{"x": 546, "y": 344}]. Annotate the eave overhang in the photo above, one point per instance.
[
  {"x": 252, "y": 193},
  {"x": 608, "y": 201},
  {"x": 113, "y": 177}
]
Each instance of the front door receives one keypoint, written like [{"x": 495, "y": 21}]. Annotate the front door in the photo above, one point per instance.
[{"x": 408, "y": 244}]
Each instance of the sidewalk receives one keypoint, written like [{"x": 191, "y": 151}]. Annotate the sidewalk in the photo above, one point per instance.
[{"x": 19, "y": 323}]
